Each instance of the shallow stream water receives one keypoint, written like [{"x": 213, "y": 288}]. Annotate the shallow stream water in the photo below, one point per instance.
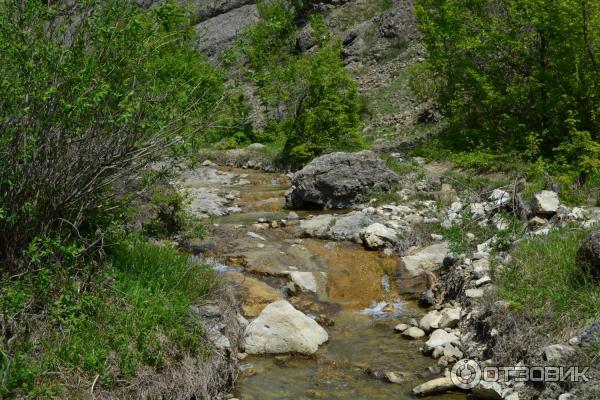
[{"x": 358, "y": 295}]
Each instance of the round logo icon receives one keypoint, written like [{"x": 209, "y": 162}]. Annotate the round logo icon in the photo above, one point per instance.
[{"x": 466, "y": 374}]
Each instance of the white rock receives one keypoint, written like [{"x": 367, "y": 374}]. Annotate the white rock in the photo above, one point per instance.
[
  {"x": 450, "y": 317},
  {"x": 280, "y": 328},
  {"x": 451, "y": 352},
  {"x": 256, "y": 236},
  {"x": 481, "y": 268},
  {"x": 477, "y": 210},
  {"x": 437, "y": 237},
  {"x": 434, "y": 386},
  {"x": 430, "y": 321},
  {"x": 546, "y": 202},
  {"x": 305, "y": 280},
  {"x": 439, "y": 338},
  {"x": 456, "y": 206},
  {"x": 413, "y": 332},
  {"x": 401, "y": 327},
  {"x": 484, "y": 280},
  {"x": 566, "y": 396},
  {"x": 577, "y": 213},
  {"x": 474, "y": 293},
  {"x": 377, "y": 235},
  {"x": 500, "y": 197}
]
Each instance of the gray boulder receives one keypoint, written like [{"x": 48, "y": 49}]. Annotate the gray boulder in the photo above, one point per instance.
[
  {"x": 338, "y": 180},
  {"x": 337, "y": 227},
  {"x": 218, "y": 33},
  {"x": 589, "y": 255}
]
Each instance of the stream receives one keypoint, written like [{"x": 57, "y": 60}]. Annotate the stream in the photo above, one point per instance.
[{"x": 355, "y": 299}]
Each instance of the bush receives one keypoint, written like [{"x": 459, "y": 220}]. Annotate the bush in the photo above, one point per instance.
[
  {"x": 313, "y": 102},
  {"x": 90, "y": 91}
]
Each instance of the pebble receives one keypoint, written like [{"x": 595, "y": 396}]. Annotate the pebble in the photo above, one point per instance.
[{"x": 474, "y": 293}]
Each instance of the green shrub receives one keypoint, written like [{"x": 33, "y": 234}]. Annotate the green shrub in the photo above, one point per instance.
[{"x": 90, "y": 92}]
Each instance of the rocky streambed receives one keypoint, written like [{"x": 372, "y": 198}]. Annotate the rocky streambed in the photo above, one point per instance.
[
  {"x": 331, "y": 299},
  {"x": 316, "y": 264}
]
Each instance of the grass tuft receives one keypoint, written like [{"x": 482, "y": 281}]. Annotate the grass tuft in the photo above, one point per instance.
[{"x": 545, "y": 283}]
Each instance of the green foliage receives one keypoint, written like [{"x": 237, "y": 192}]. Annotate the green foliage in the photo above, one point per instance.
[
  {"x": 135, "y": 315},
  {"x": 517, "y": 75},
  {"x": 90, "y": 92},
  {"x": 545, "y": 282},
  {"x": 314, "y": 103}
]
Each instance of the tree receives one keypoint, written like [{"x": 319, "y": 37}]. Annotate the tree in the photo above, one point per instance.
[{"x": 511, "y": 73}]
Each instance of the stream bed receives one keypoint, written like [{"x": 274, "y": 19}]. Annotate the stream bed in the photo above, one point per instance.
[{"x": 356, "y": 301}]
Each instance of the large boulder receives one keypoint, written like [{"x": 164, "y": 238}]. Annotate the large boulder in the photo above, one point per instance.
[
  {"x": 589, "y": 255},
  {"x": 338, "y": 180},
  {"x": 280, "y": 328}
]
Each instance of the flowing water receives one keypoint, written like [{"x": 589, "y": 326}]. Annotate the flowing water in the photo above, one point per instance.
[{"x": 358, "y": 295}]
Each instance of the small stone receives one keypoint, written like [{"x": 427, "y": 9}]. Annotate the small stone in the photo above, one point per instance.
[
  {"x": 537, "y": 222},
  {"x": 434, "y": 386},
  {"x": 470, "y": 236},
  {"x": 566, "y": 396},
  {"x": 437, "y": 237},
  {"x": 484, "y": 280},
  {"x": 574, "y": 341},
  {"x": 398, "y": 377},
  {"x": 439, "y": 338},
  {"x": 413, "y": 333},
  {"x": 256, "y": 236},
  {"x": 450, "y": 317},
  {"x": 262, "y": 220},
  {"x": 292, "y": 216},
  {"x": 401, "y": 327},
  {"x": 430, "y": 321},
  {"x": 487, "y": 391},
  {"x": 474, "y": 293},
  {"x": 500, "y": 197},
  {"x": 557, "y": 353},
  {"x": 481, "y": 268}
]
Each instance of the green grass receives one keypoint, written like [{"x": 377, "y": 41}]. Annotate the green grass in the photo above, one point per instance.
[
  {"x": 545, "y": 283},
  {"x": 134, "y": 315}
]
